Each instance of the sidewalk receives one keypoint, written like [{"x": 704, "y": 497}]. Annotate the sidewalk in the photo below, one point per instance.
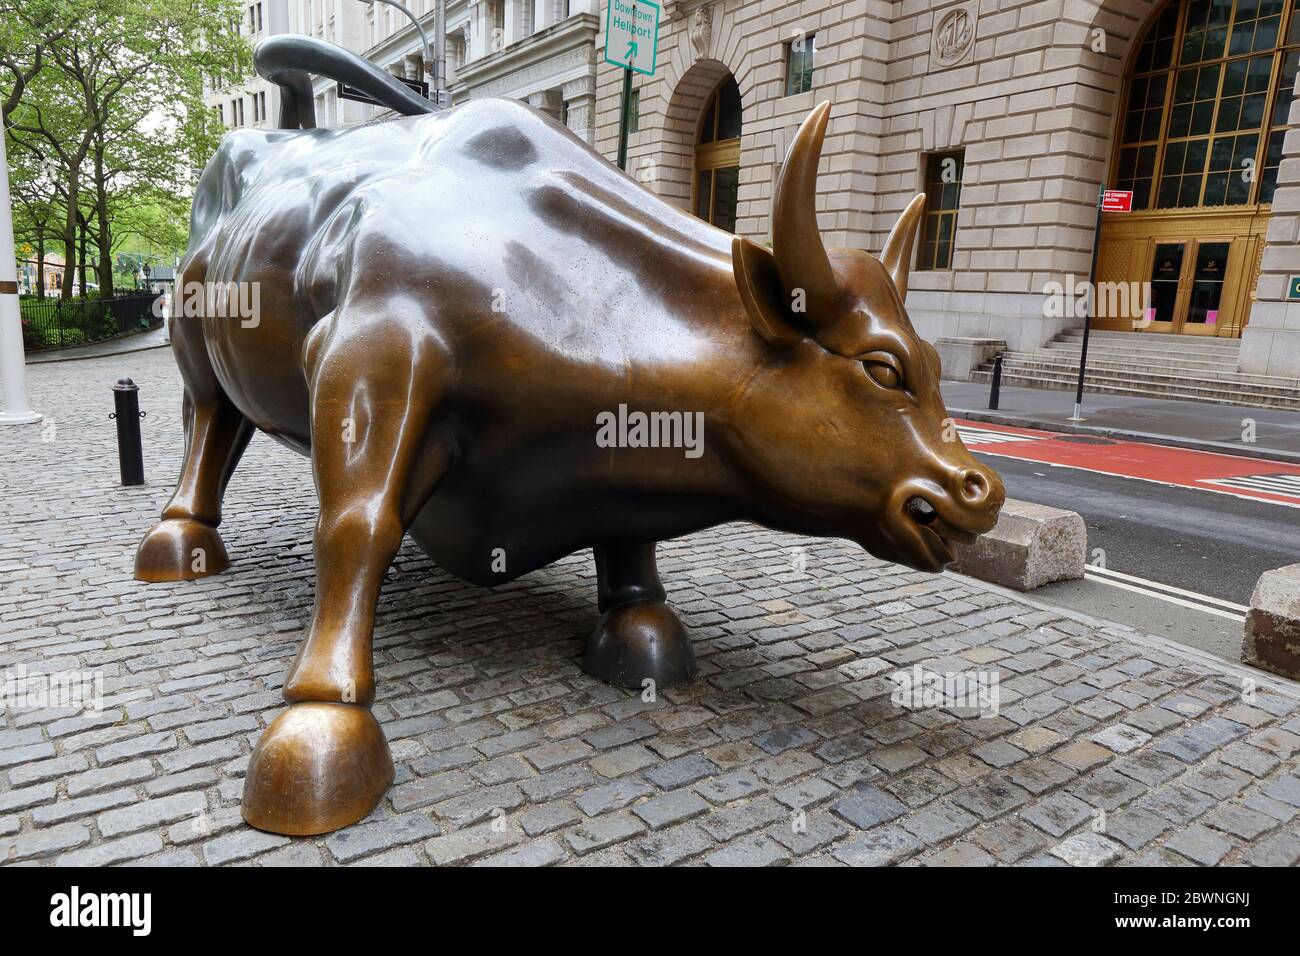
[
  {"x": 136, "y": 342},
  {"x": 1199, "y": 425}
]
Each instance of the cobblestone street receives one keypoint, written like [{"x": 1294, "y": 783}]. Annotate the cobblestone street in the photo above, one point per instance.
[{"x": 1108, "y": 747}]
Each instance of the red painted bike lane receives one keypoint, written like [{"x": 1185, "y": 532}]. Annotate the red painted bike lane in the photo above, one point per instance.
[{"x": 1254, "y": 478}]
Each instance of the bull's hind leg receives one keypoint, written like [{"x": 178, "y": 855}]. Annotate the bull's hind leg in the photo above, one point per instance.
[
  {"x": 638, "y": 638},
  {"x": 376, "y": 378},
  {"x": 185, "y": 544}
]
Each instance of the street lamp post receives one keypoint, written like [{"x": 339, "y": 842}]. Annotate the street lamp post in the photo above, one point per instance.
[
  {"x": 435, "y": 55},
  {"x": 13, "y": 366}
]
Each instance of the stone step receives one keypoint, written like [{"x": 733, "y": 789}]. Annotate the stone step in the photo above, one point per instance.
[
  {"x": 1140, "y": 375},
  {"x": 1147, "y": 356},
  {"x": 1067, "y": 384},
  {"x": 1141, "y": 369},
  {"x": 1181, "y": 391},
  {"x": 1168, "y": 338},
  {"x": 1150, "y": 364},
  {"x": 1135, "y": 344},
  {"x": 1182, "y": 344}
]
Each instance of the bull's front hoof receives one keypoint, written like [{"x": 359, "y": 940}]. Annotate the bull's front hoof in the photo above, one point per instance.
[
  {"x": 180, "y": 549},
  {"x": 639, "y": 641},
  {"x": 317, "y": 768}
]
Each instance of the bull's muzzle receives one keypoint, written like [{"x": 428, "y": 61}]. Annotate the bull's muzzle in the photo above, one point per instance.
[{"x": 935, "y": 516}]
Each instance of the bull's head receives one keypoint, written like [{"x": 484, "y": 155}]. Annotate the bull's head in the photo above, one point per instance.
[{"x": 850, "y": 435}]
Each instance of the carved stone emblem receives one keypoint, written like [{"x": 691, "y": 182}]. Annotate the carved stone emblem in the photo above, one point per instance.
[
  {"x": 953, "y": 41},
  {"x": 702, "y": 30}
]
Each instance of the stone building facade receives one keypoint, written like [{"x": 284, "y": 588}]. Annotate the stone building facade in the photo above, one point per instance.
[
  {"x": 250, "y": 100},
  {"x": 1024, "y": 99},
  {"x": 539, "y": 51}
]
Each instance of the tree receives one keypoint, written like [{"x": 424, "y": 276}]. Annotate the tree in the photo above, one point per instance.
[
  {"x": 115, "y": 102},
  {"x": 36, "y": 209},
  {"x": 22, "y": 49}
]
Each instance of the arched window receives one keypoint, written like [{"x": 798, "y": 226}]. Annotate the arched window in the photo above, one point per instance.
[
  {"x": 1206, "y": 104},
  {"x": 717, "y": 157}
]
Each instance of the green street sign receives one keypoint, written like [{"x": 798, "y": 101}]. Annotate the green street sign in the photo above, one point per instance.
[
  {"x": 1293, "y": 288},
  {"x": 632, "y": 35}
]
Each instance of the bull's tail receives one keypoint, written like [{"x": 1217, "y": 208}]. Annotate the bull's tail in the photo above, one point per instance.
[{"x": 288, "y": 61}]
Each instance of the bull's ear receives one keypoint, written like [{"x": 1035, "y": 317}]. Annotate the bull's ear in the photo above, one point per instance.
[
  {"x": 897, "y": 254},
  {"x": 760, "y": 290}
]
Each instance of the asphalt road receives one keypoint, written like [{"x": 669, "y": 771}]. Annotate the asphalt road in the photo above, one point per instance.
[{"x": 1199, "y": 541}]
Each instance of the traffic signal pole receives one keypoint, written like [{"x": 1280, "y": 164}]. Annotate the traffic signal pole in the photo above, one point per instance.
[{"x": 1092, "y": 308}]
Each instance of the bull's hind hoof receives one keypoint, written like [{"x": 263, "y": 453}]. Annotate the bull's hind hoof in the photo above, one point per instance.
[
  {"x": 639, "y": 641},
  {"x": 317, "y": 768},
  {"x": 180, "y": 549}
]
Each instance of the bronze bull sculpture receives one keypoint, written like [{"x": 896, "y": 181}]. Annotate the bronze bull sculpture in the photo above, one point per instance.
[{"x": 452, "y": 306}]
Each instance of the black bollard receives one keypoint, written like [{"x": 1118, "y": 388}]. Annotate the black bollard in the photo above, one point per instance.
[
  {"x": 997, "y": 381},
  {"x": 126, "y": 402}
]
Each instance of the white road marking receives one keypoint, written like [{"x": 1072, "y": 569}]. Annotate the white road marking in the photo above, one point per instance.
[
  {"x": 1274, "y": 484},
  {"x": 1167, "y": 592},
  {"x": 989, "y": 436},
  {"x": 1195, "y": 595}
]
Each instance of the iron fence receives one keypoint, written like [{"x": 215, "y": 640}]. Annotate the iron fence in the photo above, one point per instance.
[{"x": 53, "y": 323}]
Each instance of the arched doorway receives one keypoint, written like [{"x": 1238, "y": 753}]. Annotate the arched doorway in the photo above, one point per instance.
[
  {"x": 717, "y": 157},
  {"x": 1198, "y": 141}
]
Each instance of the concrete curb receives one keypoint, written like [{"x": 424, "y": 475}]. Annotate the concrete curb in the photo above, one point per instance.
[
  {"x": 48, "y": 358},
  {"x": 1272, "y": 638},
  {"x": 1150, "y": 438},
  {"x": 1030, "y": 546}
]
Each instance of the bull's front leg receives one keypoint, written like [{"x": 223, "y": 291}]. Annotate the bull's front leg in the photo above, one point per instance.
[
  {"x": 638, "y": 638},
  {"x": 375, "y": 383}
]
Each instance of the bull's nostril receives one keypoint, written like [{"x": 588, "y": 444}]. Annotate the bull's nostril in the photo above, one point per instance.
[
  {"x": 921, "y": 511},
  {"x": 974, "y": 487}
]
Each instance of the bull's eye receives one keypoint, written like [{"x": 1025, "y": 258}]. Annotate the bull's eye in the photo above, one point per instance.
[
  {"x": 884, "y": 369},
  {"x": 883, "y": 375}
]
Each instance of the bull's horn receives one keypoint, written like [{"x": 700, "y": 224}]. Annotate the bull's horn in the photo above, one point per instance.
[
  {"x": 897, "y": 254},
  {"x": 801, "y": 259}
]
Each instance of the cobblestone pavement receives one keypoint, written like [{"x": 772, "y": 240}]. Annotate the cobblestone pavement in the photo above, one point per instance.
[{"x": 1108, "y": 747}]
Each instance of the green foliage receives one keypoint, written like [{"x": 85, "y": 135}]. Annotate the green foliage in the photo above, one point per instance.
[
  {"x": 106, "y": 116},
  {"x": 145, "y": 221},
  {"x": 60, "y": 338}
]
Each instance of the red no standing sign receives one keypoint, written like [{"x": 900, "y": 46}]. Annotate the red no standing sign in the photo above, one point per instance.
[{"x": 1117, "y": 200}]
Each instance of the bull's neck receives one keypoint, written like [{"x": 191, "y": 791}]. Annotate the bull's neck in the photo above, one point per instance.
[{"x": 712, "y": 361}]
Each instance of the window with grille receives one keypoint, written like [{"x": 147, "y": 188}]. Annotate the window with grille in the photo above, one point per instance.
[
  {"x": 717, "y": 157},
  {"x": 496, "y": 25},
  {"x": 1205, "y": 106},
  {"x": 799, "y": 65},
  {"x": 943, "y": 173}
]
